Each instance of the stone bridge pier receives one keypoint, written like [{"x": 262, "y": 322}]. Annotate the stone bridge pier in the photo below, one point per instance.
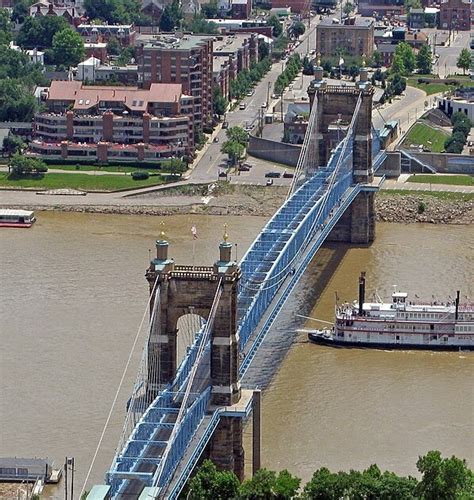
[
  {"x": 335, "y": 107},
  {"x": 180, "y": 289}
]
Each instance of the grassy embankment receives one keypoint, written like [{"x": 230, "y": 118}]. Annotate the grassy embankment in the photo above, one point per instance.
[
  {"x": 453, "y": 180},
  {"x": 429, "y": 137},
  {"x": 85, "y": 182}
]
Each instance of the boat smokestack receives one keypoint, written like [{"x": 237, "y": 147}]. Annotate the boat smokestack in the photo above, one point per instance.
[
  {"x": 361, "y": 293},
  {"x": 457, "y": 305}
]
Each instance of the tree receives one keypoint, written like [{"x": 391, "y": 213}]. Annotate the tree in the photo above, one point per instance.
[
  {"x": 126, "y": 56},
  {"x": 211, "y": 484},
  {"x": 461, "y": 123},
  {"x": 298, "y": 29},
  {"x": 176, "y": 166},
  {"x": 13, "y": 144},
  {"x": 20, "y": 10},
  {"x": 16, "y": 102},
  {"x": 113, "y": 46},
  {"x": 444, "y": 478},
  {"x": 234, "y": 150},
  {"x": 348, "y": 8},
  {"x": 68, "y": 47},
  {"x": 38, "y": 32},
  {"x": 219, "y": 102},
  {"x": 397, "y": 65},
  {"x": 405, "y": 52},
  {"x": 263, "y": 50},
  {"x": 464, "y": 60},
  {"x": 237, "y": 134},
  {"x": 200, "y": 25},
  {"x": 171, "y": 17},
  {"x": 377, "y": 59},
  {"x": 412, "y": 4},
  {"x": 21, "y": 165},
  {"x": 308, "y": 68},
  {"x": 114, "y": 11},
  {"x": 5, "y": 27},
  {"x": 274, "y": 22},
  {"x": 210, "y": 10},
  {"x": 424, "y": 60},
  {"x": 398, "y": 84}
]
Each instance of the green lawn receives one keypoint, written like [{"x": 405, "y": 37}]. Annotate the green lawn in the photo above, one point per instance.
[
  {"x": 429, "y": 137},
  {"x": 455, "y": 180},
  {"x": 79, "y": 181},
  {"x": 106, "y": 168},
  {"x": 434, "y": 88}
]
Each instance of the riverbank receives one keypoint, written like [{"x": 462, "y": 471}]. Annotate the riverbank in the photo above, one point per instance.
[
  {"x": 231, "y": 199},
  {"x": 434, "y": 208}
]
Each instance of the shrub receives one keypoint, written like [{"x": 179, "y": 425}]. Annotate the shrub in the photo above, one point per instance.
[
  {"x": 421, "y": 207},
  {"x": 140, "y": 175}
]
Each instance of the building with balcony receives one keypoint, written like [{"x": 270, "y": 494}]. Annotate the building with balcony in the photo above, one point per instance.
[
  {"x": 355, "y": 37},
  {"x": 455, "y": 15},
  {"x": 109, "y": 124},
  {"x": 183, "y": 59}
]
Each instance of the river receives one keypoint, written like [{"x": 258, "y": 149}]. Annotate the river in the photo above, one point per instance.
[{"x": 73, "y": 294}]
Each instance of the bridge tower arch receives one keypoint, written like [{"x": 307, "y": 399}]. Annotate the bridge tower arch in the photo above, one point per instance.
[
  {"x": 335, "y": 106},
  {"x": 177, "y": 289}
]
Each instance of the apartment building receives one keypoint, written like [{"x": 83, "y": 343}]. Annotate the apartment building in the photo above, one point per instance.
[
  {"x": 114, "y": 124},
  {"x": 184, "y": 59},
  {"x": 455, "y": 15},
  {"x": 355, "y": 37}
]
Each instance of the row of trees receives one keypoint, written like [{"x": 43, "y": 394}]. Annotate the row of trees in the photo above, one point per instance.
[
  {"x": 248, "y": 78},
  {"x": 441, "y": 479},
  {"x": 461, "y": 129},
  {"x": 292, "y": 68}
]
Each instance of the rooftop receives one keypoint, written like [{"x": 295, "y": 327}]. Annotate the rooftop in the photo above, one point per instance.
[
  {"x": 230, "y": 43},
  {"x": 88, "y": 96},
  {"x": 176, "y": 42},
  {"x": 354, "y": 22}
]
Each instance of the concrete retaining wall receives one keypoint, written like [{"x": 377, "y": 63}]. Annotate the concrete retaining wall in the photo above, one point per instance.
[
  {"x": 278, "y": 152},
  {"x": 447, "y": 162}
]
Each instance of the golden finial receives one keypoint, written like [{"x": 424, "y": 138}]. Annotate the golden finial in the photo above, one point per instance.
[
  {"x": 363, "y": 60},
  {"x": 162, "y": 232},
  {"x": 319, "y": 58},
  {"x": 226, "y": 236}
]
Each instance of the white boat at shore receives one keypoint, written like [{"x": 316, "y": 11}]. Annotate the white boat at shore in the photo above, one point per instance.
[
  {"x": 400, "y": 324},
  {"x": 16, "y": 218}
]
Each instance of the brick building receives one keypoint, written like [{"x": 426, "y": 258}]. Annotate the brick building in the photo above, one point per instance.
[
  {"x": 114, "y": 124},
  {"x": 66, "y": 9},
  {"x": 184, "y": 59},
  {"x": 241, "y": 9},
  {"x": 296, "y": 6},
  {"x": 455, "y": 15},
  {"x": 355, "y": 37}
]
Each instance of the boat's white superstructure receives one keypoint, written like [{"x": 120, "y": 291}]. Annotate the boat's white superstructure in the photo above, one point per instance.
[
  {"x": 16, "y": 218},
  {"x": 401, "y": 324}
]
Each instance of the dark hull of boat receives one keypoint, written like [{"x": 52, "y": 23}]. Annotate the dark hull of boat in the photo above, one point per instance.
[{"x": 318, "y": 339}]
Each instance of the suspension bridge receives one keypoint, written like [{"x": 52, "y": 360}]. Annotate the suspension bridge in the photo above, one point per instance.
[{"x": 180, "y": 412}]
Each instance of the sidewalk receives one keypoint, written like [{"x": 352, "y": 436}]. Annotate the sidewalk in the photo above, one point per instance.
[{"x": 415, "y": 186}]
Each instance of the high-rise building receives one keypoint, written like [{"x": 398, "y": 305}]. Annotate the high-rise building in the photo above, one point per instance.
[{"x": 184, "y": 59}]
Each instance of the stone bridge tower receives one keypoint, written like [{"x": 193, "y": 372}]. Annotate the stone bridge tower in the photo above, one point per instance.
[
  {"x": 335, "y": 106},
  {"x": 180, "y": 289}
]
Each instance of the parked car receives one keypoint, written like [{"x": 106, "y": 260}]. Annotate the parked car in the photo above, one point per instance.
[
  {"x": 248, "y": 165},
  {"x": 269, "y": 182},
  {"x": 244, "y": 168},
  {"x": 288, "y": 175},
  {"x": 216, "y": 139},
  {"x": 264, "y": 104},
  {"x": 222, "y": 173},
  {"x": 242, "y": 105},
  {"x": 225, "y": 125},
  {"x": 251, "y": 92},
  {"x": 275, "y": 175}
]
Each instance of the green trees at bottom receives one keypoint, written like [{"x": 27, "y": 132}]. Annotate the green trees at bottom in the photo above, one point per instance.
[{"x": 442, "y": 479}]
